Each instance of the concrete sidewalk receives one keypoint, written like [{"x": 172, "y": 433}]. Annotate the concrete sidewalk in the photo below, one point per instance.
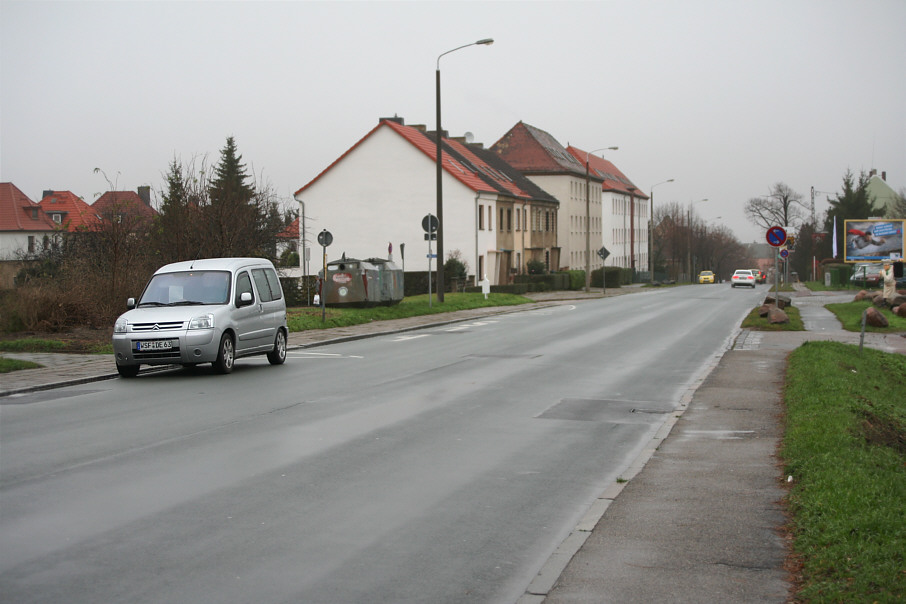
[{"x": 698, "y": 517}]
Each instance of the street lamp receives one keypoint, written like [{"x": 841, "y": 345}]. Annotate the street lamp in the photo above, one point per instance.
[
  {"x": 588, "y": 221},
  {"x": 440, "y": 195},
  {"x": 651, "y": 232}
]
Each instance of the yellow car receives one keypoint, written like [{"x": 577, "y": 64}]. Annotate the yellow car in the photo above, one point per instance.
[{"x": 706, "y": 277}]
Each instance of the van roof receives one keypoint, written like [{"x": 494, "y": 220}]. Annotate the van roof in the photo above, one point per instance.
[{"x": 213, "y": 264}]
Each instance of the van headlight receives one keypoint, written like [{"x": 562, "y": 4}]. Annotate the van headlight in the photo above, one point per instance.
[
  {"x": 121, "y": 326},
  {"x": 202, "y": 322}
]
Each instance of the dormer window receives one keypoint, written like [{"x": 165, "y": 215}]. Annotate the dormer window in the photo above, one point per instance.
[
  {"x": 58, "y": 218},
  {"x": 34, "y": 213}
]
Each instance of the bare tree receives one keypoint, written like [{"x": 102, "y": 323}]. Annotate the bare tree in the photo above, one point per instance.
[{"x": 781, "y": 207}]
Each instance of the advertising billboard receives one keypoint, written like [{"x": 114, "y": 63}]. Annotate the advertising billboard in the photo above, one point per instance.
[{"x": 873, "y": 240}]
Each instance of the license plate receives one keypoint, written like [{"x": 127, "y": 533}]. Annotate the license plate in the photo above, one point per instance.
[{"x": 154, "y": 345}]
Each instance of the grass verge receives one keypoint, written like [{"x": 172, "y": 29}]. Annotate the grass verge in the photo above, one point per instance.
[
  {"x": 759, "y": 323},
  {"x": 32, "y": 345},
  {"x": 845, "y": 449},
  {"x": 301, "y": 319},
  {"x": 7, "y": 365},
  {"x": 850, "y": 315}
]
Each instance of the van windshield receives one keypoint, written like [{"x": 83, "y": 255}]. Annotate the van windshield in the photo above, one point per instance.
[{"x": 187, "y": 289}]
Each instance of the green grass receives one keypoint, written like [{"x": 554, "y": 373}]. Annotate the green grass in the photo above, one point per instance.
[
  {"x": 7, "y": 365},
  {"x": 32, "y": 345},
  {"x": 756, "y": 322},
  {"x": 850, "y": 315},
  {"x": 818, "y": 286},
  {"x": 301, "y": 319},
  {"x": 845, "y": 449}
]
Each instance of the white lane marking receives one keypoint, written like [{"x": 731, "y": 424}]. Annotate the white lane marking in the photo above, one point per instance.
[
  {"x": 468, "y": 325},
  {"x": 405, "y": 337}
]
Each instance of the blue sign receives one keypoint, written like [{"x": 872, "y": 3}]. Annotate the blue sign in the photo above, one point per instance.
[{"x": 776, "y": 236}]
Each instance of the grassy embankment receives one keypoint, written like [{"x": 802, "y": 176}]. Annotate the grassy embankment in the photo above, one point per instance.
[{"x": 845, "y": 450}]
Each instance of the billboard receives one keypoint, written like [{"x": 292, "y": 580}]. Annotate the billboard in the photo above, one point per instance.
[{"x": 873, "y": 240}]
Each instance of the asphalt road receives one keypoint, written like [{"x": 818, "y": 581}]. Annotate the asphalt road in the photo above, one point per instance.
[{"x": 441, "y": 465}]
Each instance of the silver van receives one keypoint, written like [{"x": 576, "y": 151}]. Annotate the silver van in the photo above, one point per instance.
[{"x": 213, "y": 310}]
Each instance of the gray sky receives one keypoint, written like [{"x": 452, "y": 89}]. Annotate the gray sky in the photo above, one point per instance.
[{"x": 727, "y": 97}]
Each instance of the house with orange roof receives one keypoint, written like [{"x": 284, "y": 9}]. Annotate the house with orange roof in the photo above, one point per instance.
[
  {"x": 117, "y": 206},
  {"x": 379, "y": 191},
  {"x": 25, "y": 230},
  {"x": 602, "y": 198},
  {"x": 67, "y": 211}
]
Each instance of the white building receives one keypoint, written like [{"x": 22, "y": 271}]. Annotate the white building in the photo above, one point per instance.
[{"x": 376, "y": 195}]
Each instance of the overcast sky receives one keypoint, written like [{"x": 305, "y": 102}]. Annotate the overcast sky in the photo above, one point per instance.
[{"x": 727, "y": 97}]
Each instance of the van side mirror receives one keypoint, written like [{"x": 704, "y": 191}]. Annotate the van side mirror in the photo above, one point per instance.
[
  {"x": 130, "y": 303},
  {"x": 245, "y": 298}
]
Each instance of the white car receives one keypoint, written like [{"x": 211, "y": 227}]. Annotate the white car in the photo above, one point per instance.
[{"x": 743, "y": 277}]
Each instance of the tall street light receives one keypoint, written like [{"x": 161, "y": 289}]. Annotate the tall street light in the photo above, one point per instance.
[
  {"x": 588, "y": 220},
  {"x": 440, "y": 193},
  {"x": 651, "y": 232}
]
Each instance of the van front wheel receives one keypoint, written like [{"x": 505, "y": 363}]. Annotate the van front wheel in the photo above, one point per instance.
[
  {"x": 278, "y": 355},
  {"x": 226, "y": 355}
]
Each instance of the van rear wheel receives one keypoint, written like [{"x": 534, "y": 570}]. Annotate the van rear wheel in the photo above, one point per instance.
[
  {"x": 226, "y": 355},
  {"x": 278, "y": 355}
]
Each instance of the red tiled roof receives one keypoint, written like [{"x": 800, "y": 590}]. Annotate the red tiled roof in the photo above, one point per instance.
[
  {"x": 19, "y": 213},
  {"x": 74, "y": 213},
  {"x": 121, "y": 201},
  {"x": 614, "y": 180},
  {"x": 291, "y": 231},
  {"x": 534, "y": 151}
]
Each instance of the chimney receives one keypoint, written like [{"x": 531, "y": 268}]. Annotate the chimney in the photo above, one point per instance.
[
  {"x": 47, "y": 193},
  {"x": 884, "y": 175},
  {"x": 397, "y": 119},
  {"x": 144, "y": 193},
  {"x": 873, "y": 172}
]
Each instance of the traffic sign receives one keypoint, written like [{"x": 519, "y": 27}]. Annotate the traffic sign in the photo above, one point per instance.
[
  {"x": 429, "y": 223},
  {"x": 776, "y": 236},
  {"x": 325, "y": 238},
  {"x": 784, "y": 253},
  {"x": 603, "y": 253}
]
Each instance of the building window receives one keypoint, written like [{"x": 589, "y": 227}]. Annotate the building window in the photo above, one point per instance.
[
  {"x": 31, "y": 244},
  {"x": 501, "y": 223},
  {"x": 58, "y": 218},
  {"x": 480, "y": 218},
  {"x": 490, "y": 218},
  {"x": 509, "y": 219},
  {"x": 517, "y": 219}
]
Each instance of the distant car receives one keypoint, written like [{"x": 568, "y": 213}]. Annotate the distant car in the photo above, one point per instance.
[
  {"x": 760, "y": 276},
  {"x": 706, "y": 277},
  {"x": 743, "y": 277},
  {"x": 866, "y": 273}
]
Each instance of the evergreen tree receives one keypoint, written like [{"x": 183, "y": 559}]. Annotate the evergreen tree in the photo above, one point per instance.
[
  {"x": 232, "y": 217},
  {"x": 854, "y": 203}
]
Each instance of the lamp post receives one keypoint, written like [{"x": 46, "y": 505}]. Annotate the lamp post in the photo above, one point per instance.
[
  {"x": 588, "y": 220},
  {"x": 651, "y": 232},
  {"x": 440, "y": 195}
]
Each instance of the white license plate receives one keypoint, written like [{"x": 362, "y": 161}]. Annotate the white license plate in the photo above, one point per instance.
[{"x": 154, "y": 345}]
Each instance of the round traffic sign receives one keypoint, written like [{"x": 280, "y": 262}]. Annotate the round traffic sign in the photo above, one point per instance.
[
  {"x": 325, "y": 238},
  {"x": 776, "y": 236},
  {"x": 429, "y": 223}
]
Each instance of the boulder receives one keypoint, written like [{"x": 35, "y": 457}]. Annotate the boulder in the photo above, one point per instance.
[
  {"x": 775, "y": 315},
  {"x": 900, "y": 310},
  {"x": 862, "y": 295},
  {"x": 874, "y": 317},
  {"x": 898, "y": 300},
  {"x": 764, "y": 309},
  {"x": 781, "y": 300},
  {"x": 879, "y": 301}
]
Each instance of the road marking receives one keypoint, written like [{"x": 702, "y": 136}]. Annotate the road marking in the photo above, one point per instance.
[
  {"x": 320, "y": 355},
  {"x": 404, "y": 338},
  {"x": 468, "y": 325}
]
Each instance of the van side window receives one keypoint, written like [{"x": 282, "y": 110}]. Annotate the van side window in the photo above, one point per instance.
[
  {"x": 243, "y": 284},
  {"x": 268, "y": 284},
  {"x": 274, "y": 281},
  {"x": 264, "y": 288}
]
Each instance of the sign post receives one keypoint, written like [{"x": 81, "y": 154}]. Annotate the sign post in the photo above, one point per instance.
[
  {"x": 429, "y": 224},
  {"x": 776, "y": 237},
  {"x": 603, "y": 253},
  {"x": 325, "y": 238}
]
